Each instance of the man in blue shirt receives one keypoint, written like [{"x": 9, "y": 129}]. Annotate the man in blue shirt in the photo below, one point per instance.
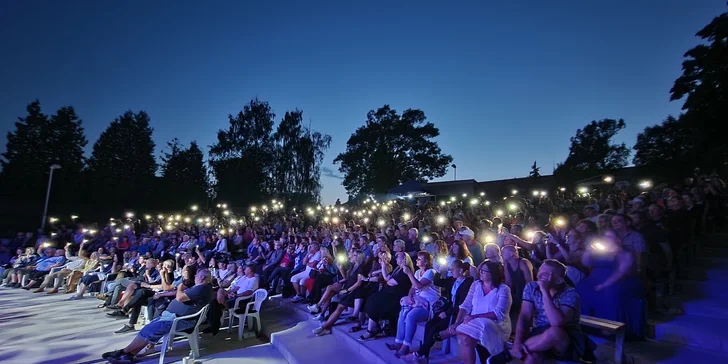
[
  {"x": 44, "y": 266},
  {"x": 187, "y": 301}
]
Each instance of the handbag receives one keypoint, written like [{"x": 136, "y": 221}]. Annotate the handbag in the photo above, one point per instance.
[{"x": 441, "y": 305}]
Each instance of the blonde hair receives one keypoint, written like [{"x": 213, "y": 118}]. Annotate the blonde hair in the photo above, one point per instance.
[
  {"x": 326, "y": 254},
  {"x": 408, "y": 261}
]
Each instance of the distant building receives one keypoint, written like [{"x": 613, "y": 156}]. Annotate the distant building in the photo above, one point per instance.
[{"x": 506, "y": 187}]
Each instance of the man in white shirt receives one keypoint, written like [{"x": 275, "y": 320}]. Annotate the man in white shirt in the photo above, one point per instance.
[{"x": 242, "y": 287}]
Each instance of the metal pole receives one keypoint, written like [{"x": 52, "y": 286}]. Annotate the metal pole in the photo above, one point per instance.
[
  {"x": 455, "y": 178},
  {"x": 48, "y": 195}
]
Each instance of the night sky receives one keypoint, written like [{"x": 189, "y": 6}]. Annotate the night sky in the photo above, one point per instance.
[{"x": 506, "y": 84}]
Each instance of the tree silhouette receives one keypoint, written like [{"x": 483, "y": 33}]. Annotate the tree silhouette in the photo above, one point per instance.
[
  {"x": 243, "y": 158},
  {"x": 184, "y": 176},
  {"x": 704, "y": 87},
  {"x": 669, "y": 142},
  {"x": 535, "y": 171},
  {"x": 122, "y": 166},
  {"x": 37, "y": 143},
  {"x": 390, "y": 149},
  {"x": 591, "y": 148}
]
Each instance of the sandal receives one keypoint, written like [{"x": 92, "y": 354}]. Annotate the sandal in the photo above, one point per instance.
[
  {"x": 372, "y": 336},
  {"x": 355, "y": 328},
  {"x": 101, "y": 305}
]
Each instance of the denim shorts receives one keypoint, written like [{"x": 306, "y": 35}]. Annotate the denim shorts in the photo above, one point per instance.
[{"x": 157, "y": 328}]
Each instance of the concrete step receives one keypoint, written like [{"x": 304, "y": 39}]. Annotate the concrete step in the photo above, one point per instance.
[
  {"x": 699, "y": 290},
  {"x": 705, "y": 308},
  {"x": 298, "y": 345},
  {"x": 259, "y": 354},
  {"x": 651, "y": 352},
  {"x": 707, "y": 333}
]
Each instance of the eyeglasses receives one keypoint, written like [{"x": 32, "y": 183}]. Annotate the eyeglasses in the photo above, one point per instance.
[{"x": 483, "y": 270}]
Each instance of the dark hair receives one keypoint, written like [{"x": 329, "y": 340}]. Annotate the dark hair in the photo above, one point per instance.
[
  {"x": 463, "y": 251},
  {"x": 553, "y": 263},
  {"x": 591, "y": 226},
  {"x": 496, "y": 271}
]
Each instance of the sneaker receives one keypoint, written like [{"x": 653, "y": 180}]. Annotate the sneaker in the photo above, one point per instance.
[
  {"x": 112, "y": 353},
  {"x": 323, "y": 332},
  {"x": 124, "y": 358},
  {"x": 39, "y": 290},
  {"x": 113, "y": 307},
  {"x": 313, "y": 308},
  {"x": 318, "y": 317},
  {"x": 124, "y": 329},
  {"x": 117, "y": 314},
  {"x": 298, "y": 298}
]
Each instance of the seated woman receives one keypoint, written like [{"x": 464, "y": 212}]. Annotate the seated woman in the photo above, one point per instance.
[
  {"x": 327, "y": 272},
  {"x": 140, "y": 297},
  {"x": 416, "y": 306},
  {"x": 343, "y": 289},
  {"x": 366, "y": 285},
  {"x": 384, "y": 304},
  {"x": 440, "y": 257},
  {"x": 13, "y": 277},
  {"x": 437, "y": 328},
  {"x": 483, "y": 317},
  {"x": 349, "y": 273},
  {"x": 459, "y": 251},
  {"x": 90, "y": 277}
]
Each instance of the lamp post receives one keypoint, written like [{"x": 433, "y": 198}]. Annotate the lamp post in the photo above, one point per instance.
[
  {"x": 455, "y": 169},
  {"x": 48, "y": 195}
]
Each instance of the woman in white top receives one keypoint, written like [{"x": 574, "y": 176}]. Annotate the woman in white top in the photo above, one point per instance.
[
  {"x": 415, "y": 306},
  {"x": 483, "y": 318}
]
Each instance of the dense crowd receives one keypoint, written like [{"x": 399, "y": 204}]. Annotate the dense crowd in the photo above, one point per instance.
[{"x": 524, "y": 266}]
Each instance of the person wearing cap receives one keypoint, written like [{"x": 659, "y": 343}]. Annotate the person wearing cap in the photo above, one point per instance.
[
  {"x": 637, "y": 203},
  {"x": 476, "y": 250}
]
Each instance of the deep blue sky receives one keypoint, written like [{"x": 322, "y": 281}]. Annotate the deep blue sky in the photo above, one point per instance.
[{"x": 506, "y": 83}]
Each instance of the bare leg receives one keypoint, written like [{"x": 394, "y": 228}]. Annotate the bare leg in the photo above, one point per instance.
[
  {"x": 135, "y": 345},
  {"x": 334, "y": 316},
  {"x": 467, "y": 348},
  {"x": 296, "y": 288},
  {"x": 128, "y": 293},
  {"x": 554, "y": 338}
]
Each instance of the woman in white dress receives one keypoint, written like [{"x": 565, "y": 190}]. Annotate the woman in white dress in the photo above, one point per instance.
[{"x": 483, "y": 318}]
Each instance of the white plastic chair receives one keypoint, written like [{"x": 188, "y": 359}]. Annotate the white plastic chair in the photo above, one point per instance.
[
  {"x": 258, "y": 297},
  {"x": 193, "y": 338}
]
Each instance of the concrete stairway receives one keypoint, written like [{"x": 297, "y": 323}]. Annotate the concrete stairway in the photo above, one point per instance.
[
  {"x": 698, "y": 336},
  {"x": 701, "y": 334}
]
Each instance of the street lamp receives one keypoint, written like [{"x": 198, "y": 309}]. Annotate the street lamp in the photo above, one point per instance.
[
  {"x": 48, "y": 195},
  {"x": 455, "y": 169}
]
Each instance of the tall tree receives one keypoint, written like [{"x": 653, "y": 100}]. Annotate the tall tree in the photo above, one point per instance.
[
  {"x": 669, "y": 142},
  {"x": 390, "y": 149},
  {"x": 184, "y": 176},
  {"x": 37, "y": 143},
  {"x": 535, "y": 171},
  {"x": 592, "y": 150},
  {"x": 704, "y": 87},
  {"x": 299, "y": 154},
  {"x": 242, "y": 159},
  {"x": 26, "y": 159},
  {"x": 122, "y": 166}
]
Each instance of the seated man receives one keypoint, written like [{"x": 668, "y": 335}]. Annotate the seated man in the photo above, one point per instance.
[
  {"x": 548, "y": 325},
  {"x": 244, "y": 286},
  {"x": 187, "y": 301},
  {"x": 73, "y": 263},
  {"x": 150, "y": 275},
  {"x": 43, "y": 267}
]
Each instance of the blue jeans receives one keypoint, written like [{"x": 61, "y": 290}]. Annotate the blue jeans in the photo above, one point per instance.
[
  {"x": 160, "y": 326},
  {"x": 407, "y": 324}
]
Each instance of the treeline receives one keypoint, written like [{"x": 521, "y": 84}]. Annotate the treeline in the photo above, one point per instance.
[{"x": 250, "y": 162}]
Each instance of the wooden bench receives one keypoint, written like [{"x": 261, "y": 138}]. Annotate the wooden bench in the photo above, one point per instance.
[{"x": 606, "y": 327}]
